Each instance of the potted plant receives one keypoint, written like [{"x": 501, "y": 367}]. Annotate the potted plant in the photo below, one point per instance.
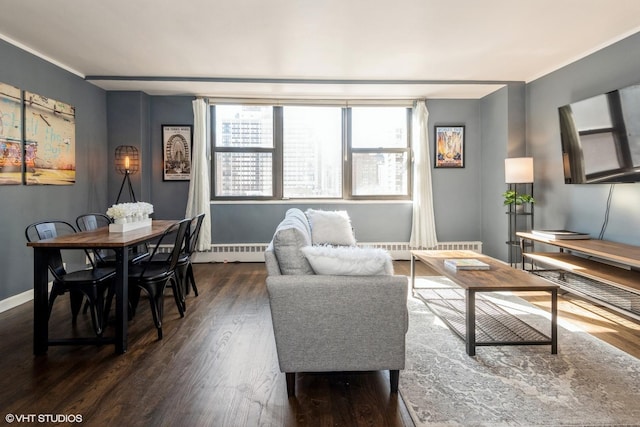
[{"x": 517, "y": 199}]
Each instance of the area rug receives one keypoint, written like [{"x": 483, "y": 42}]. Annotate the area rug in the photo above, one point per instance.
[{"x": 588, "y": 383}]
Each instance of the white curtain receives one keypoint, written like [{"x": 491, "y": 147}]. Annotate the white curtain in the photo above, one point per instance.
[
  {"x": 199, "y": 193},
  {"x": 423, "y": 227}
]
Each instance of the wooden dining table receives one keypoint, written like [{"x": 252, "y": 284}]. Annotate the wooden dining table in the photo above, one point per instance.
[{"x": 100, "y": 238}]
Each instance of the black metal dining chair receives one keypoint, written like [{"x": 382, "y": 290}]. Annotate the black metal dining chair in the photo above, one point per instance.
[
  {"x": 154, "y": 277},
  {"x": 185, "y": 267},
  {"x": 105, "y": 257},
  {"x": 191, "y": 243},
  {"x": 90, "y": 282}
]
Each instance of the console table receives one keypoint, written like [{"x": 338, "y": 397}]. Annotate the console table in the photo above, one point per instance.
[
  {"x": 499, "y": 278},
  {"x": 605, "y": 272}
]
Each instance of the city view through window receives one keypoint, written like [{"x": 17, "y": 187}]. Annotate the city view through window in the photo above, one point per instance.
[{"x": 303, "y": 151}]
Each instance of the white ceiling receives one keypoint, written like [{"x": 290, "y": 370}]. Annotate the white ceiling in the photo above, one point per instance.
[{"x": 315, "y": 48}]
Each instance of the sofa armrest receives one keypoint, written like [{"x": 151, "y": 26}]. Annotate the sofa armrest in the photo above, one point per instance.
[{"x": 339, "y": 323}]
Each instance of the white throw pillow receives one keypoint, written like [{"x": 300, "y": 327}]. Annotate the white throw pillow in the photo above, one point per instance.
[
  {"x": 348, "y": 260},
  {"x": 330, "y": 228}
]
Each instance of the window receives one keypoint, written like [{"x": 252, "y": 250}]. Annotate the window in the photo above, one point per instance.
[
  {"x": 312, "y": 152},
  {"x": 317, "y": 151},
  {"x": 380, "y": 151},
  {"x": 243, "y": 161}
]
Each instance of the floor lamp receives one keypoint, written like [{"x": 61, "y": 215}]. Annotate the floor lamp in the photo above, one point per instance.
[
  {"x": 127, "y": 163},
  {"x": 518, "y": 171}
]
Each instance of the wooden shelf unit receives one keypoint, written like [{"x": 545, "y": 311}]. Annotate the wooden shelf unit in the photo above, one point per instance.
[{"x": 602, "y": 271}]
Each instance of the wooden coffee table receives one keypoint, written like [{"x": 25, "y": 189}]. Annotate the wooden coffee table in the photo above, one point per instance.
[{"x": 500, "y": 277}]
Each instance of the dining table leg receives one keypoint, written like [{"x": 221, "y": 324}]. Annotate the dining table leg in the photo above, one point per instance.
[
  {"x": 122, "y": 299},
  {"x": 40, "y": 301}
]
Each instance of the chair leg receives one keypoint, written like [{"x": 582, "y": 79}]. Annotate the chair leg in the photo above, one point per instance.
[
  {"x": 107, "y": 305},
  {"x": 291, "y": 384},
  {"x": 76, "y": 298},
  {"x": 175, "y": 285},
  {"x": 134, "y": 299},
  {"x": 394, "y": 377},
  {"x": 52, "y": 297},
  {"x": 156, "y": 301},
  {"x": 96, "y": 301},
  {"x": 183, "y": 285},
  {"x": 191, "y": 279}
]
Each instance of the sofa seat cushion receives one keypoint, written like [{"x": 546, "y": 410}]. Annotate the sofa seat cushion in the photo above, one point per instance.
[
  {"x": 348, "y": 260},
  {"x": 330, "y": 228},
  {"x": 292, "y": 234}
]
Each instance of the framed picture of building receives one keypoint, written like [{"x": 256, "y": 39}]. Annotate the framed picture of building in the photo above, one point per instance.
[
  {"x": 176, "y": 149},
  {"x": 449, "y": 146}
]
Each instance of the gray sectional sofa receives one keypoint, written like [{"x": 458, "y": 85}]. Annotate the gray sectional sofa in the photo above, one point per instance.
[{"x": 328, "y": 323}]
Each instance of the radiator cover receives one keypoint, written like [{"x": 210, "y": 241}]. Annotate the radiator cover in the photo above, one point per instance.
[{"x": 254, "y": 252}]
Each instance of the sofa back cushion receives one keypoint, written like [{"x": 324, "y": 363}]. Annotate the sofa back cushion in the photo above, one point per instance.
[
  {"x": 292, "y": 234},
  {"x": 330, "y": 228}
]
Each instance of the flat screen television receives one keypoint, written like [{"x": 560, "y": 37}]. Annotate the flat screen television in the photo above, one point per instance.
[{"x": 601, "y": 138}]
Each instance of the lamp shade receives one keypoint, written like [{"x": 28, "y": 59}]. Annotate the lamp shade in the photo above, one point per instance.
[
  {"x": 518, "y": 170},
  {"x": 127, "y": 159}
]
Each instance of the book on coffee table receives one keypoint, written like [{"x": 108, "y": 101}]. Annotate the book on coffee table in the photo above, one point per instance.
[
  {"x": 560, "y": 234},
  {"x": 465, "y": 264}
]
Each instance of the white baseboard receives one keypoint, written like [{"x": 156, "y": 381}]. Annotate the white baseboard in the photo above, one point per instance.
[
  {"x": 19, "y": 299},
  {"x": 16, "y": 300}
]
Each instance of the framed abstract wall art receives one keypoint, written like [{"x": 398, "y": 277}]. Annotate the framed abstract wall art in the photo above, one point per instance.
[
  {"x": 50, "y": 141},
  {"x": 176, "y": 149},
  {"x": 449, "y": 146}
]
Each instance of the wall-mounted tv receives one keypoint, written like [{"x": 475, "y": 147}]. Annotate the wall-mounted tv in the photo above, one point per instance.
[{"x": 601, "y": 138}]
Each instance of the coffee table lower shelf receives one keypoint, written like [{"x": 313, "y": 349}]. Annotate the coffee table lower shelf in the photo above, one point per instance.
[{"x": 494, "y": 326}]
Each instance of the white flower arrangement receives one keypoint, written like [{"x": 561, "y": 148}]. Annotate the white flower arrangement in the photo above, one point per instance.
[{"x": 130, "y": 212}]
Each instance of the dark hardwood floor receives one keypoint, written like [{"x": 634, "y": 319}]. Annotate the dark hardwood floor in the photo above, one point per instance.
[{"x": 215, "y": 367}]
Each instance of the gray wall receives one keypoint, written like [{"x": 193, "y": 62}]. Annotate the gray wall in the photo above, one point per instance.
[
  {"x": 581, "y": 207},
  {"x": 503, "y": 136},
  {"x": 456, "y": 197},
  {"x": 128, "y": 124},
  {"x": 495, "y": 139},
  {"x": 468, "y": 205},
  {"x": 21, "y": 204},
  {"x": 457, "y": 192}
]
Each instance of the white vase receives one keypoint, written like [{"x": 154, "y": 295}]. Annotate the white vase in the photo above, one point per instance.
[{"x": 120, "y": 221}]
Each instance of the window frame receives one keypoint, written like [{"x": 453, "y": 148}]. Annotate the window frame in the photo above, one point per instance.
[
  {"x": 278, "y": 160},
  {"x": 349, "y": 159}
]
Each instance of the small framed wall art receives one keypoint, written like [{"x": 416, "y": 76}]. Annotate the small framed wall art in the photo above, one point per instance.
[
  {"x": 176, "y": 149},
  {"x": 449, "y": 146}
]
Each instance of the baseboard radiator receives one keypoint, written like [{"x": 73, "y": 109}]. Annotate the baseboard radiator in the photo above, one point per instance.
[{"x": 254, "y": 252}]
